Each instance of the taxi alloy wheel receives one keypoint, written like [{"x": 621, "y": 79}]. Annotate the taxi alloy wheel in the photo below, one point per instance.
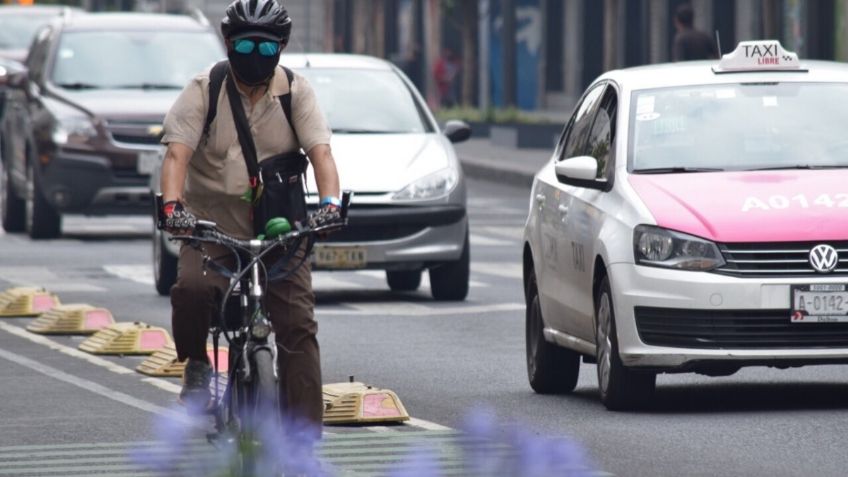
[
  {"x": 551, "y": 369},
  {"x": 42, "y": 222},
  {"x": 11, "y": 207},
  {"x": 621, "y": 388}
]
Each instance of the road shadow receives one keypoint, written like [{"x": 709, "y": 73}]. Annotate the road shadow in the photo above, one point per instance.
[{"x": 734, "y": 397}]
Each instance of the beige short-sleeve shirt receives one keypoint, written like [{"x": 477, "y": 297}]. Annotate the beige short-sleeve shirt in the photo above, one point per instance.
[{"x": 217, "y": 176}]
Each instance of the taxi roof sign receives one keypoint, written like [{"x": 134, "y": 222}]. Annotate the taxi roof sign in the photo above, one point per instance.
[{"x": 760, "y": 55}]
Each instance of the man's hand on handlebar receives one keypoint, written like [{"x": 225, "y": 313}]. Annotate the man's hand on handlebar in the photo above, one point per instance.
[
  {"x": 178, "y": 220},
  {"x": 326, "y": 215}
]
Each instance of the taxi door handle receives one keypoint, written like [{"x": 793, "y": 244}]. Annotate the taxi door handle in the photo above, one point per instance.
[
  {"x": 540, "y": 199},
  {"x": 562, "y": 209}
]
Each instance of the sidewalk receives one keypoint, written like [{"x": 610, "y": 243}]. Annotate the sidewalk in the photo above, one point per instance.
[{"x": 483, "y": 160}]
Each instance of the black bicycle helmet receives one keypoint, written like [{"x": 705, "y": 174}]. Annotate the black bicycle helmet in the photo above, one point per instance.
[{"x": 266, "y": 16}]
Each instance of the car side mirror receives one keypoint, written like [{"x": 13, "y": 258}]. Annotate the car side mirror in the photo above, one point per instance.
[
  {"x": 457, "y": 131},
  {"x": 582, "y": 168}
]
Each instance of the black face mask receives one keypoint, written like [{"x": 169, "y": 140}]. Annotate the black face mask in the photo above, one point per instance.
[{"x": 253, "y": 69}]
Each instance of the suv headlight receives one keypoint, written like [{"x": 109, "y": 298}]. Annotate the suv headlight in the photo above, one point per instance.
[
  {"x": 73, "y": 129},
  {"x": 434, "y": 185},
  {"x": 658, "y": 247}
]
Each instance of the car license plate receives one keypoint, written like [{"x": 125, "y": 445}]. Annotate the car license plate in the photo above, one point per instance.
[
  {"x": 823, "y": 303},
  {"x": 147, "y": 162},
  {"x": 326, "y": 256}
]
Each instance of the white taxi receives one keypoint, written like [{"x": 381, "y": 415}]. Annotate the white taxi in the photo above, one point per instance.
[{"x": 692, "y": 219}]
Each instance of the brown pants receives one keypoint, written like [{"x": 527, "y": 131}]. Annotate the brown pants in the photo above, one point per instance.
[{"x": 290, "y": 303}]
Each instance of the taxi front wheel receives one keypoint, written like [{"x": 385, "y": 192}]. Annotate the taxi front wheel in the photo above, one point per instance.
[
  {"x": 550, "y": 369},
  {"x": 621, "y": 388}
]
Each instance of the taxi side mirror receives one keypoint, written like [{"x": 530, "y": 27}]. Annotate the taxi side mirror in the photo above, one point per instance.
[{"x": 582, "y": 168}]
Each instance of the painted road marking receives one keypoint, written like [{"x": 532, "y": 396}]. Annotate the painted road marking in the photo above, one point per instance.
[
  {"x": 425, "y": 278},
  {"x": 499, "y": 269},
  {"x": 477, "y": 240},
  {"x": 401, "y": 309},
  {"x": 514, "y": 233},
  {"x": 40, "y": 276},
  {"x": 137, "y": 273}
]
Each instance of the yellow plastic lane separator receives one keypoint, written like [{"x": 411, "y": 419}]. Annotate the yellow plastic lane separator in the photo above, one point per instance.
[
  {"x": 163, "y": 363},
  {"x": 26, "y": 301},
  {"x": 73, "y": 319},
  {"x": 358, "y": 403},
  {"x": 127, "y": 338}
]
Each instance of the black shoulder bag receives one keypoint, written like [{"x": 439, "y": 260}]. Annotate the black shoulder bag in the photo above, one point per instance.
[{"x": 276, "y": 182}]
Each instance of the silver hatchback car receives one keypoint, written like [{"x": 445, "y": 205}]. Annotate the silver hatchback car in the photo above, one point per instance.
[{"x": 409, "y": 208}]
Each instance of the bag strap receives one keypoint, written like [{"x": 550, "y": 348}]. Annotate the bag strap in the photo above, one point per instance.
[
  {"x": 286, "y": 103},
  {"x": 248, "y": 148},
  {"x": 216, "y": 79}
]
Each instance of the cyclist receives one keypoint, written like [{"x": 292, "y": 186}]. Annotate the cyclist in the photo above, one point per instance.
[{"x": 204, "y": 176}]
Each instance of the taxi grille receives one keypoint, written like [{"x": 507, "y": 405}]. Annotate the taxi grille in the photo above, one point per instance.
[
  {"x": 734, "y": 329},
  {"x": 782, "y": 259}
]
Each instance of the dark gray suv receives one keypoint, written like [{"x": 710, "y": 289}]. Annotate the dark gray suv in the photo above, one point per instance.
[{"x": 97, "y": 90}]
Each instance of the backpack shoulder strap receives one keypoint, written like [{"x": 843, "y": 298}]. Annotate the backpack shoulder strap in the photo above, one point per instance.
[
  {"x": 286, "y": 101},
  {"x": 216, "y": 79}
]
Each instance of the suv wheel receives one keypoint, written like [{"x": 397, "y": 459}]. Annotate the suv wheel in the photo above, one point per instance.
[
  {"x": 164, "y": 265},
  {"x": 551, "y": 369},
  {"x": 404, "y": 280},
  {"x": 449, "y": 281},
  {"x": 621, "y": 388},
  {"x": 12, "y": 208},
  {"x": 42, "y": 221}
]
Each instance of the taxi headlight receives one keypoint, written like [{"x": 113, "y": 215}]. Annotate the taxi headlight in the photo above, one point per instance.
[
  {"x": 658, "y": 247},
  {"x": 73, "y": 129},
  {"x": 434, "y": 185}
]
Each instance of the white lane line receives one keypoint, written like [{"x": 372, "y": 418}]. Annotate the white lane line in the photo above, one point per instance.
[
  {"x": 93, "y": 387},
  {"x": 514, "y": 233},
  {"x": 40, "y": 276},
  {"x": 401, "y": 309},
  {"x": 137, "y": 273},
  {"x": 483, "y": 241},
  {"x": 430, "y": 426},
  {"x": 67, "y": 350},
  {"x": 163, "y": 385},
  {"x": 505, "y": 270},
  {"x": 323, "y": 281},
  {"x": 425, "y": 278}
]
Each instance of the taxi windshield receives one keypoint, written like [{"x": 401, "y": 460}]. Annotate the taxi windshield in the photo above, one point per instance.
[{"x": 743, "y": 126}]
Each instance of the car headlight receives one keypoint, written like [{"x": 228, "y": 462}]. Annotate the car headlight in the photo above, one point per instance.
[
  {"x": 73, "y": 129},
  {"x": 658, "y": 247},
  {"x": 434, "y": 185}
]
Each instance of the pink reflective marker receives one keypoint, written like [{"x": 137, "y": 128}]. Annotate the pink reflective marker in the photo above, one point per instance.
[
  {"x": 43, "y": 302},
  {"x": 379, "y": 405},
  {"x": 97, "y": 319},
  {"x": 152, "y": 340}
]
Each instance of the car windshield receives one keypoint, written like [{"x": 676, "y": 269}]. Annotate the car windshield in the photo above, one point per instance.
[
  {"x": 16, "y": 31},
  {"x": 133, "y": 59},
  {"x": 366, "y": 101},
  {"x": 739, "y": 127}
]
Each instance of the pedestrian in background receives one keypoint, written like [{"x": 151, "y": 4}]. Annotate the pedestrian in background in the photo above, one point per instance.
[
  {"x": 689, "y": 43},
  {"x": 446, "y": 73}
]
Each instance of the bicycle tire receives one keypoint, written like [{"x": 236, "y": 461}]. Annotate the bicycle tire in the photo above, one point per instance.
[{"x": 260, "y": 417}]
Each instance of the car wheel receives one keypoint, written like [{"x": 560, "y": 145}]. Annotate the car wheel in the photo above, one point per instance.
[
  {"x": 551, "y": 369},
  {"x": 164, "y": 265},
  {"x": 405, "y": 280},
  {"x": 42, "y": 221},
  {"x": 621, "y": 388},
  {"x": 12, "y": 207},
  {"x": 449, "y": 281}
]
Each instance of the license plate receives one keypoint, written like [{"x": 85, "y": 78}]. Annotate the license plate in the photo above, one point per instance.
[
  {"x": 147, "y": 162},
  {"x": 339, "y": 257},
  {"x": 819, "y": 303}
]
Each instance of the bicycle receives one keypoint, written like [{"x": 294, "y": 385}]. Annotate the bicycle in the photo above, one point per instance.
[{"x": 250, "y": 399}]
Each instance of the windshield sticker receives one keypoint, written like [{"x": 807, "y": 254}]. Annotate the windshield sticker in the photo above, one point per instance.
[
  {"x": 769, "y": 101},
  {"x": 725, "y": 93},
  {"x": 670, "y": 125},
  {"x": 645, "y": 104},
  {"x": 801, "y": 201},
  {"x": 647, "y": 116}
]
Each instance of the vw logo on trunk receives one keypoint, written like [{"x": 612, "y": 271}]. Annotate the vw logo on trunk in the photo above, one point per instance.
[{"x": 824, "y": 258}]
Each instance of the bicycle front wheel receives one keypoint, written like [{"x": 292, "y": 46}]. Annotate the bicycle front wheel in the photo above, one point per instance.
[{"x": 260, "y": 417}]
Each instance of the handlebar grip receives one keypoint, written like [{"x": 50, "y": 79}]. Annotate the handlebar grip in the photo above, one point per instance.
[
  {"x": 158, "y": 213},
  {"x": 346, "y": 197}
]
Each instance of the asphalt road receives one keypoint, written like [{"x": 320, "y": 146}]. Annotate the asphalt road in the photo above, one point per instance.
[{"x": 63, "y": 412}]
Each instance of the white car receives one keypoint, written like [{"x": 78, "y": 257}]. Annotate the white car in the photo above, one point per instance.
[
  {"x": 409, "y": 209},
  {"x": 692, "y": 219}
]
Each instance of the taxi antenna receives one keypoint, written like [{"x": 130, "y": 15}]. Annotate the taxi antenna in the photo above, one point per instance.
[{"x": 718, "y": 43}]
